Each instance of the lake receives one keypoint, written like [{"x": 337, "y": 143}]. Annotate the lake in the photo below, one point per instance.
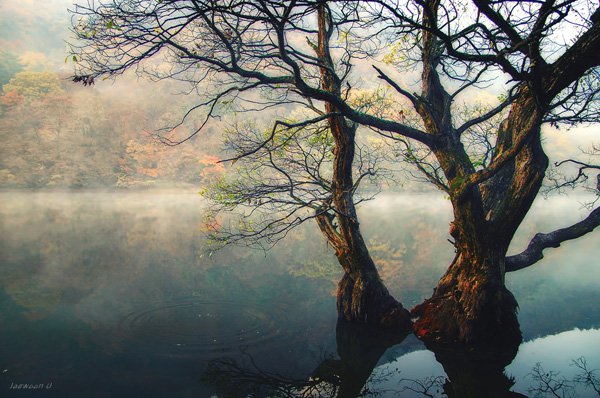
[{"x": 117, "y": 295}]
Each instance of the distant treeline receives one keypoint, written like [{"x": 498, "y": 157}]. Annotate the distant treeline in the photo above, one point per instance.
[{"x": 59, "y": 135}]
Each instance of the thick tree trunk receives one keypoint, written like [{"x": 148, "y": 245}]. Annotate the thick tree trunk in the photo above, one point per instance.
[
  {"x": 470, "y": 304},
  {"x": 362, "y": 296}
]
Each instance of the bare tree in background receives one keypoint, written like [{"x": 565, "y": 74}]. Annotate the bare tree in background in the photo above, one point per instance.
[{"x": 250, "y": 57}]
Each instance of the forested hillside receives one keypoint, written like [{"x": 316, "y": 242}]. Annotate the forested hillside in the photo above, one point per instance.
[{"x": 59, "y": 135}]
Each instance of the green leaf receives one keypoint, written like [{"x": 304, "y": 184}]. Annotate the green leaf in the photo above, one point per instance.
[{"x": 109, "y": 25}]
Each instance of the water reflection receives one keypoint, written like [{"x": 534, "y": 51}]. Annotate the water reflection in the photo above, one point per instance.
[
  {"x": 119, "y": 287},
  {"x": 357, "y": 371},
  {"x": 476, "y": 372},
  {"x": 495, "y": 371},
  {"x": 347, "y": 375}
]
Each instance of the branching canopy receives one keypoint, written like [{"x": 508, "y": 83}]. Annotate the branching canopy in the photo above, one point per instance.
[{"x": 540, "y": 57}]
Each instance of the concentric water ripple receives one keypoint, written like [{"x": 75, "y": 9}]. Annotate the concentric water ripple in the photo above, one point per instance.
[{"x": 200, "y": 328}]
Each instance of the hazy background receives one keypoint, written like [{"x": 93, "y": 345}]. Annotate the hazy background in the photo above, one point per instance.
[{"x": 56, "y": 134}]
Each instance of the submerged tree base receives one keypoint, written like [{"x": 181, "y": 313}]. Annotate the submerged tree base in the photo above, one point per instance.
[
  {"x": 367, "y": 301},
  {"x": 482, "y": 316}
]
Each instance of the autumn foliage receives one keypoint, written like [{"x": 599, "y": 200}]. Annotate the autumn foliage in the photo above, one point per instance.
[{"x": 57, "y": 135}]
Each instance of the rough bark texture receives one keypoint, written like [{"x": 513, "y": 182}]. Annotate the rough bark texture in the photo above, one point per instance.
[
  {"x": 362, "y": 297},
  {"x": 471, "y": 303}
]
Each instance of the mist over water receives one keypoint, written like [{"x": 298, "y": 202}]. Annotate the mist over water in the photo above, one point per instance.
[{"x": 121, "y": 287}]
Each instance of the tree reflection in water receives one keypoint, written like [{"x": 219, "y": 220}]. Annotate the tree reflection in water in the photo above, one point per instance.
[
  {"x": 551, "y": 383},
  {"x": 471, "y": 372},
  {"x": 359, "y": 349},
  {"x": 474, "y": 372}
]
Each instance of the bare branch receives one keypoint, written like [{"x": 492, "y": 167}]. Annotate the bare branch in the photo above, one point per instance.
[
  {"x": 540, "y": 241},
  {"x": 278, "y": 123},
  {"x": 411, "y": 97},
  {"x": 486, "y": 116}
]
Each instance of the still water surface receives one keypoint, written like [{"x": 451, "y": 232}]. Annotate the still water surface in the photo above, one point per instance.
[{"x": 115, "y": 295}]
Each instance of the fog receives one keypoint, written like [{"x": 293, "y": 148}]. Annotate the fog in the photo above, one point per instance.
[
  {"x": 96, "y": 282},
  {"x": 106, "y": 267},
  {"x": 97, "y": 246},
  {"x": 58, "y": 135}
]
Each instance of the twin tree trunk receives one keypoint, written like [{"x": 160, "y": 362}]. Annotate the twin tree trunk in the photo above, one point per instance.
[{"x": 471, "y": 303}]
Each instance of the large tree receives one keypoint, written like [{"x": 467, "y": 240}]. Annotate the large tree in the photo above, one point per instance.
[
  {"x": 282, "y": 52},
  {"x": 252, "y": 57}
]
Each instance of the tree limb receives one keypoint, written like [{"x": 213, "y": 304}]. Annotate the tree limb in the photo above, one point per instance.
[
  {"x": 576, "y": 60},
  {"x": 486, "y": 116},
  {"x": 541, "y": 241},
  {"x": 413, "y": 99},
  {"x": 278, "y": 123}
]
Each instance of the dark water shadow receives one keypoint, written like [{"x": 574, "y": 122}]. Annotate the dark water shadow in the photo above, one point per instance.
[
  {"x": 476, "y": 372},
  {"x": 359, "y": 349},
  {"x": 471, "y": 372}
]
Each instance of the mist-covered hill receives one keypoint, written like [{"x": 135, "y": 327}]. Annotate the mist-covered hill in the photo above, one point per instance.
[{"x": 56, "y": 134}]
